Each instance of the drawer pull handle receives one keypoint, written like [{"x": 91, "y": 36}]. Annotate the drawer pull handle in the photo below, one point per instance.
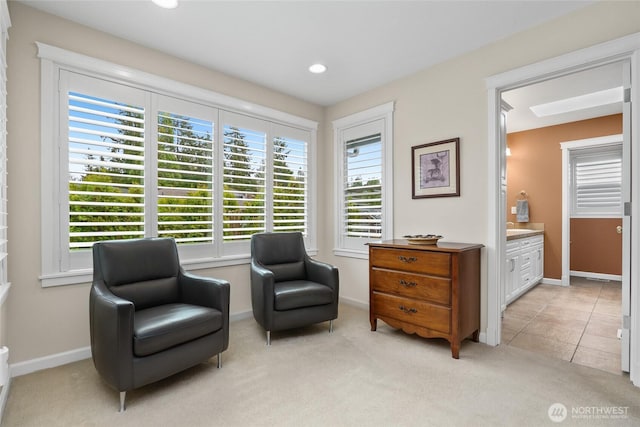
[
  {"x": 408, "y": 310},
  {"x": 407, "y": 260},
  {"x": 407, "y": 284}
]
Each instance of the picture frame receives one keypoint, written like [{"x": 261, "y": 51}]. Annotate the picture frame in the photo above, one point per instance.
[{"x": 435, "y": 169}]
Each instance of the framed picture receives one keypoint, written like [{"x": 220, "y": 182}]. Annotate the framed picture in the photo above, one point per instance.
[{"x": 435, "y": 169}]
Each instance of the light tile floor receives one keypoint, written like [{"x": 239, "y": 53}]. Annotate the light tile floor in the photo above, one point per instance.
[{"x": 578, "y": 323}]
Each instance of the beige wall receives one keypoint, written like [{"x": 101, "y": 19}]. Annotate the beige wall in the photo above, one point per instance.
[
  {"x": 47, "y": 321},
  {"x": 450, "y": 100},
  {"x": 535, "y": 166},
  {"x": 445, "y": 101}
]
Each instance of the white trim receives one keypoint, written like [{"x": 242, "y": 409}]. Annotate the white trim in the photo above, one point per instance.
[
  {"x": 354, "y": 303},
  {"x": 4, "y": 397},
  {"x": 4, "y": 293},
  {"x": 51, "y": 361},
  {"x": 75, "y": 355},
  {"x": 600, "y": 54},
  {"x": 596, "y": 276},
  {"x": 351, "y": 253},
  {"x": 153, "y": 82},
  {"x": 611, "y": 51},
  {"x": 382, "y": 112},
  {"x": 241, "y": 315},
  {"x": 591, "y": 142},
  {"x": 75, "y": 277},
  {"x": 553, "y": 282},
  {"x": 495, "y": 249}
]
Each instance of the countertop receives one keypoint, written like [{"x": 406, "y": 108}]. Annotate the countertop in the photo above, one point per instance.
[{"x": 519, "y": 233}]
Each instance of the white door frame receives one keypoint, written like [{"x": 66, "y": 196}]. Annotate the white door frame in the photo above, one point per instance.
[{"x": 627, "y": 47}]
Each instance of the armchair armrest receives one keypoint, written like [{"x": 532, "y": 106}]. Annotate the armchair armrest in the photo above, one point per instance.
[
  {"x": 262, "y": 285},
  {"x": 205, "y": 291},
  {"x": 322, "y": 272},
  {"x": 208, "y": 292},
  {"x": 111, "y": 323}
]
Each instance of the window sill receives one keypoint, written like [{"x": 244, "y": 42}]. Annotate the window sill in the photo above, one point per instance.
[
  {"x": 84, "y": 276},
  {"x": 350, "y": 253}
]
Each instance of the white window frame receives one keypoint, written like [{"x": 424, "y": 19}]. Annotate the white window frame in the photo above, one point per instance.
[
  {"x": 347, "y": 246},
  {"x": 54, "y": 59}
]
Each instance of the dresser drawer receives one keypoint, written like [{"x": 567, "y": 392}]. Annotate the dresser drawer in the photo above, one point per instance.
[
  {"x": 418, "y": 313},
  {"x": 435, "y": 289},
  {"x": 434, "y": 263}
]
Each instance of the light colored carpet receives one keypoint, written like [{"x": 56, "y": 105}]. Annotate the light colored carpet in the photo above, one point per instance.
[{"x": 353, "y": 377}]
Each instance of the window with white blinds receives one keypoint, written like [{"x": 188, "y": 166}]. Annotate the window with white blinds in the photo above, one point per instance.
[
  {"x": 290, "y": 184},
  {"x": 185, "y": 178},
  {"x": 362, "y": 209},
  {"x": 244, "y": 179},
  {"x": 363, "y": 144},
  {"x": 135, "y": 163},
  {"x": 596, "y": 178},
  {"x": 106, "y": 170}
]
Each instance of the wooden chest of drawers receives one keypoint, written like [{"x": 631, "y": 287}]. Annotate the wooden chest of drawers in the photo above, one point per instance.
[{"x": 429, "y": 290}]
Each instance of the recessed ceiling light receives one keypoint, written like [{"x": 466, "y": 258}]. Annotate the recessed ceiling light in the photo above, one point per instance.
[
  {"x": 318, "y": 68},
  {"x": 582, "y": 102},
  {"x": 167, "y": 4}
]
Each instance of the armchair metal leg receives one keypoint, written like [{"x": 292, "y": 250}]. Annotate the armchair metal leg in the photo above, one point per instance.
[
  {"x": 330, "y": 326},
  {"x": 123, "y": 396},
  {"x": 268, "y": 337},
  {"x": 219, "y": 360}
]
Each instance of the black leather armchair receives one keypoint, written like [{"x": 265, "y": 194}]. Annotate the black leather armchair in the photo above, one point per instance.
[
  {"x": 148, "y": 318},
  {"x": 288, "y": 288}
]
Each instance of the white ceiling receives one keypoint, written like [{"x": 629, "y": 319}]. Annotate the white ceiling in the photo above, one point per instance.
[
  {"x": 581, "y": 83},
  {"x": 364, "y": 44}
]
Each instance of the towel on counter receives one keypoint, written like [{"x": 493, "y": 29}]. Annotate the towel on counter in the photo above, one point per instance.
[{"x": 522, "y": 211}]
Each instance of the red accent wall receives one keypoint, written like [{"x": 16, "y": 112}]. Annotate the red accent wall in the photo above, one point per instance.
[{"x": 535, "y": 166}]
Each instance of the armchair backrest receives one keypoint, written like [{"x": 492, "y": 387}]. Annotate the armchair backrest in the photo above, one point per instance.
[
  {"x": 282, "y": 253},
  {"x": 143, "y": 271}
]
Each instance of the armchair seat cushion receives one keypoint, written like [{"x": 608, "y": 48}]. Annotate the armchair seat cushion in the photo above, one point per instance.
[
  {"x": 301, "y": 293},
  {"x": 159, "y": 328}
]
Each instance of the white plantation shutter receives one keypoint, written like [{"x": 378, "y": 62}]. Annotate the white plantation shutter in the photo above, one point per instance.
[
  {"x": 106, "y": 170},
  {"x": 129, "y": 161},
  {"x": 597, "y": 182},
  {"x": 244, "y": 147},
  {"x": 363, "y": 187},
  {"x": 185, "y": 178},
  {"x": 290, "y": 184}
]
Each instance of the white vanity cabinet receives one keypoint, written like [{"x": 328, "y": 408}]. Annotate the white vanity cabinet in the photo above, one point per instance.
[{"x": 524, "y": 265}]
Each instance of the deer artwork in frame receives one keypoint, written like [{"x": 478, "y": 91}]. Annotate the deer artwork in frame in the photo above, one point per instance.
[{"x": 435, "y": 169}]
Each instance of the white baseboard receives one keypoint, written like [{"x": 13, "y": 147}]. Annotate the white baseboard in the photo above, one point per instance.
[
  {"x": 555, "y": 282},
  {"x": 51, "y": 361},
  {"x": 354, "y": 303},
  {"x": 482, "y": 337},
  {"x": 4, "y": 397},
  {"x": 241, "y": 315},
  {"x": 597, "y": 276},
  {"x": 59, "y": 359}
]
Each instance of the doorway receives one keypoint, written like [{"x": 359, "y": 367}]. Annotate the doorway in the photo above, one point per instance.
[
  {"x": 576, "y": 321},
  {"x": 624, "y": 48}
]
